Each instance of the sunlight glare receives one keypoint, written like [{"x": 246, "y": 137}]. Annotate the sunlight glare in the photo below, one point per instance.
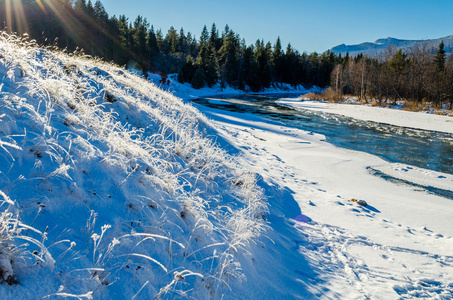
[{"x": 19, "y": 15}]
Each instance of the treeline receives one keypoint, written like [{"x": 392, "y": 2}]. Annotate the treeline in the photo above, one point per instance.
[
  {"x": 420, "y": 75},
  {"x": 215, "y": 57}
]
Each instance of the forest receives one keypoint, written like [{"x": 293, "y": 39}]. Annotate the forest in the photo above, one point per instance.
[
  {"x": 212, "y": 58},
  {"x": 420, "y": 76}
]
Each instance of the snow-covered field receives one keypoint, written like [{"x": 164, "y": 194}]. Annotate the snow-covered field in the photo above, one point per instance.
[{"x": 123, "y": 191}]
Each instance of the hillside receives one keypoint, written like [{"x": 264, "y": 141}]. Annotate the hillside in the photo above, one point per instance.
[
  {"x": 111, "y": 188},
  {"x": 379, "y": 46}
]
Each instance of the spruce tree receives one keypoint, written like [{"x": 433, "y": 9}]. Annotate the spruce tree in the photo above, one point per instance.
[
  {"x": 399, "y": 62},
  {"x": 229, "y": 58},
  {"x": 187, "y": 71},
  {"x": 198, "y": 80},
  {"x": 207, "y": 61},
  {"x": 204, "y": 38},
  {"x": 214, "y": 39},
  {"x": 440, "y": 58},
  {"x": 183, "y": 47},
  {"x": 140, "y": 43},
  {"x": 278, "y": 61},
  {"x": 249, "y": 69}
]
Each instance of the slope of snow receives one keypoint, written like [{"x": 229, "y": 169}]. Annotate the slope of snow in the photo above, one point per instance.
[
  {"x": 416, "y": 120},
  {"x": 114, "y": 189}
]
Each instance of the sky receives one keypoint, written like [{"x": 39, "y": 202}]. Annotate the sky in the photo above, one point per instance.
[{"x": 308, "y": 25}]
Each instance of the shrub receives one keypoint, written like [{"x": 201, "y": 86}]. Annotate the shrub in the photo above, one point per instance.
[
  {"x": 10, "y": 254},
  {"x": 328, "y": 94}
]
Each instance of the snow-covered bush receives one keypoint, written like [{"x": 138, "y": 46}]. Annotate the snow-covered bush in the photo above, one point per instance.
[
  {"x": 10, "y": 254},
  {"x": 15, "y": 241}
]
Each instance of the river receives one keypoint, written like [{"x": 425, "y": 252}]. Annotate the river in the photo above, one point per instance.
[{"x": 420, "y": 148}]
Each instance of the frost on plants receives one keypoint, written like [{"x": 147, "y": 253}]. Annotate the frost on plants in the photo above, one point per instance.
[
  {"x": 10, "y": 254},
  {"x": 84, "y": 143}
]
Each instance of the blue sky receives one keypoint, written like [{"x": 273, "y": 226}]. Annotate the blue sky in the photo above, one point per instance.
[{"x": 308, "y": 24}]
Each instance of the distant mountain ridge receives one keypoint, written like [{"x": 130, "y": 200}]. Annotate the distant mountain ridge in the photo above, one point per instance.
[{"x": 378, "y": 47}]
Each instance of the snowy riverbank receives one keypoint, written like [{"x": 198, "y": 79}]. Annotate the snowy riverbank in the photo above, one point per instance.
[
  {"x": 417, "y": 120},
  {"x": 397, "y": 246},
  {"x": 186, "y": 92}
]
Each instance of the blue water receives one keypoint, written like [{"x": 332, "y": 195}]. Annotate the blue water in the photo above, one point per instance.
[{"x": 425, "y": 149}]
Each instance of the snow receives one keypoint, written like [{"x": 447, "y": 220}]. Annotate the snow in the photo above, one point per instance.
[
  {"x": 139, "y": 195},
  {"x": 186, "y": 92},
  {"x": 112, "y": 188},
  {"x": 391, "y": 116},
  {"x": 398, "y": 246}
]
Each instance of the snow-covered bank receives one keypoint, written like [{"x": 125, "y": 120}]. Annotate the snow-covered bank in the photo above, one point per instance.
[
  {"x": 397, "y": 247},
  {"x": 390, "y": 116},
  {"x": 111, "y": 188},
  {"x": 186, "y": 92}
]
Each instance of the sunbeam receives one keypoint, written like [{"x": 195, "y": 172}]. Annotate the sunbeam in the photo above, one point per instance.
[{"x": 14, "y": 9}]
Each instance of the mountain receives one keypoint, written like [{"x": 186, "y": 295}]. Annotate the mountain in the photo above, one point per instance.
[{"x": 379, "y": 46}]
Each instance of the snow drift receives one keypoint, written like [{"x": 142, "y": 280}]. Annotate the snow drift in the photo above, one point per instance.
[{"x": 111, "y": 188}]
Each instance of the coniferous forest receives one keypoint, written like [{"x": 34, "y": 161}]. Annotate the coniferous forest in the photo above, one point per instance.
[
  {"x": 217, "y": 56},
  {"x": 222, "y": 56}
]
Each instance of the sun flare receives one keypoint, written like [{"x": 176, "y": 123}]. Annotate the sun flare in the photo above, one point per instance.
[{"x": 15, "y": 9}]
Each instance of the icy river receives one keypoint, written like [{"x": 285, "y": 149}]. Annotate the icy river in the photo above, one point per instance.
[{"x": 424, "y": 149}]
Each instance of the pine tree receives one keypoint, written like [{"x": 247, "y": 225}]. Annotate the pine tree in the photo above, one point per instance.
[
  {"x": 207, "y": 61},
  {"x": 278, "y": 61},
  {"x": 229, "y": 58},
  {"x": 198, "y": 80},
  {"x": 187, "y": 71},
  {"x": 171, "y": 41},
  {"x": 204, "y": 38},
  {"x": 440, "y": 58},
  {"x": 399, "y": 62},
  {"x": 214, "y": 39}
]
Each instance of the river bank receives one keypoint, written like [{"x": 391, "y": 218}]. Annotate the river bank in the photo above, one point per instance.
[
  {"x": 398, "y": 246},
  {"x": 397, "y": 117}
]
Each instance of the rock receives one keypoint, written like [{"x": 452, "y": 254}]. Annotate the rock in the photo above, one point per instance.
[{"x": 359, "y": 202}]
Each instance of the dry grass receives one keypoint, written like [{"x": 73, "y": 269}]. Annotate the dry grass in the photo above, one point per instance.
[
  {"x": 416, "y": 106},
  {"x": 328, "y": 94}
]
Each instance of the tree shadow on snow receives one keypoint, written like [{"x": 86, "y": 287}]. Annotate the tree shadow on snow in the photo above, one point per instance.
[{"x": 286, "y": 273}]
